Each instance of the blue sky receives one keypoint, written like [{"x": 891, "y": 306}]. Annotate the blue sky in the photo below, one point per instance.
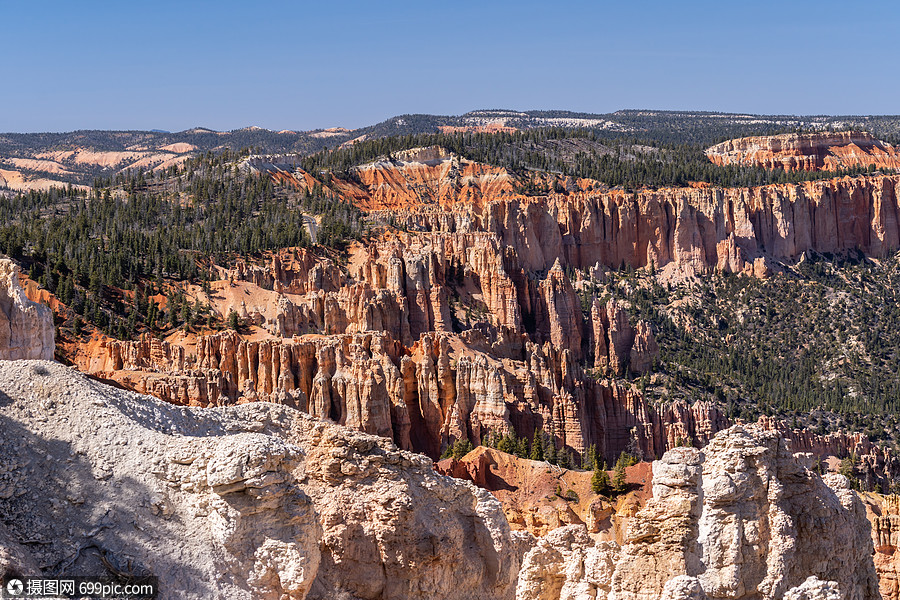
[{"x": 303, "y": 65}]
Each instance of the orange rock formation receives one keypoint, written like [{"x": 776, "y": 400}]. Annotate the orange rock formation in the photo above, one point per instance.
[
  {"x": 807, "y": 152},
  {"x": 468, "y": 323}
]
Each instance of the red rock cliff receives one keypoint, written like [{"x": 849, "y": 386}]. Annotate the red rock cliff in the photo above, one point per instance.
[
  {"x": 807, "y": 152},
  {"x": 468, "y": 322}
]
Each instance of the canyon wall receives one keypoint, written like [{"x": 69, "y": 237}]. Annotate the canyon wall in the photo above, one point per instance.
[
  {"x": 584, "y": 224},
  {"x": 831, "y": 151},
  {"x": 424, "y": 397},
  {"x": 691, "y": 229},
  {"x": 478, "y": 317},
  {"x": 884, "y": 513}
]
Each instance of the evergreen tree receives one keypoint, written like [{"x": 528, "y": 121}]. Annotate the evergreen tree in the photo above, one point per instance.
[
  {"x": 522, "y": 449},
  {"x": 460, "y": 448},
  {"x": 600, "y": 483},
  {"x": 563, "y": 459},
  {"x": 551, "y": 451},
  {"x": 537, "y": 445}
]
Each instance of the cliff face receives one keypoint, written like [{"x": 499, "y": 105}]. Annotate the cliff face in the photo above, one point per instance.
[
  {"x": 431, "y": 190},
  {"x": 691, "y": 229},
  {"x": 262, "y": 501},
  {"x": 884, "y": 513},
  {"x": 741, "y": 519},
  {"x": 807, "y": 151},
  {"x": 26, "y": 327},
  {"x": 424, "y": 176},
  {"x": 257, "y": 501},
  {"x": 471, "y": 321},
  {"x": 424, "y": 397}
]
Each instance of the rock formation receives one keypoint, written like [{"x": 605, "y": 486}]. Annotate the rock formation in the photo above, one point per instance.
[
  {"x": 807, "y": 151},
  {"x": 263, "y": 501},
  {"x": 884, "y": 513},
  {"x": 477, "y": 315},
  {"x": 424, "y": 176},
  {"x": 539, "y": 498},
  {"x": 681, "y": 229},
  {"x": 26, "y": 327},
  {"x": 568, "y": 565},
  {"x": 877, "y": 465},
  {"x": 741, "y": 519},
  {"x": 424, "y": 397},
  {"x": 257, "y": 501},
  {"x": 814, "y": 589}
]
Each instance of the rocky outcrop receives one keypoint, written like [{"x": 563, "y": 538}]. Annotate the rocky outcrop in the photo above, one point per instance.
[
  {"x": 814, "y": 589},
  {"x": 617, "y": 344},
  {"x": 567, "y": 564},
  {"x": 683, "y": 230},
  {"x": 289, "y": 271},
  {"x": 424, "y": 176},
  {"x": 26, "y": 327},
  {"x": 560, "y": 321},
  {"x": 807, "y": 151},
  {"x": 262, "y": 501},
  {"x": 742, "y": 519},
  {"x": 257, "y": 501},
  {"x": 876, "y": 466},
  {"x": 884, "y": 514},
  {"x": 539, "y": 499},
  {"x": 644, "y": 351},
  {"x": 444, "y": 388}
]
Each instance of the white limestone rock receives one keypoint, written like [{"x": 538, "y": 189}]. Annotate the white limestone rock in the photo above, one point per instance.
[{"x": 26, "y": 327}]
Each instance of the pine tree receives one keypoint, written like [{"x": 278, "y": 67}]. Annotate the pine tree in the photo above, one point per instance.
[
  {"x": 537, "y": 445},
  {"x": 600, "y": 483},
  {"x": 522, "y": 449},
  {"x": 461, "y": 448}
]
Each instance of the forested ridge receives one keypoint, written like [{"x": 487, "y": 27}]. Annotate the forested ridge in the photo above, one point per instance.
[
  {"x": 609, "y": 158},
  {"x": 141, "y": 231},
  {"x": 817, "y": 344}
]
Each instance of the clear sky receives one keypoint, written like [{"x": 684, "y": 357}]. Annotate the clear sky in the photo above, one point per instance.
[{"x": 303, "y": 65}]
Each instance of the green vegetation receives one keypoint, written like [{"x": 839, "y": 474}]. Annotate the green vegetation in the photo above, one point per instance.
[
  {"x": 619, "y": 485},
  {"x": 457, "y": 450},
  {"x": 608, "y": 157},
  {"x": 817, "y": 345},
  {"x": 600, "y": 482},
  {"x": 139, "y": 231}
]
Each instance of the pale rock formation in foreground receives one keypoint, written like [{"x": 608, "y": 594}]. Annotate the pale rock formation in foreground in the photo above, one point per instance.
[
  {"x": 740, "y": 520},
  {"x": 255, "y": 501},
  {"x": 26, "y": 327}
]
